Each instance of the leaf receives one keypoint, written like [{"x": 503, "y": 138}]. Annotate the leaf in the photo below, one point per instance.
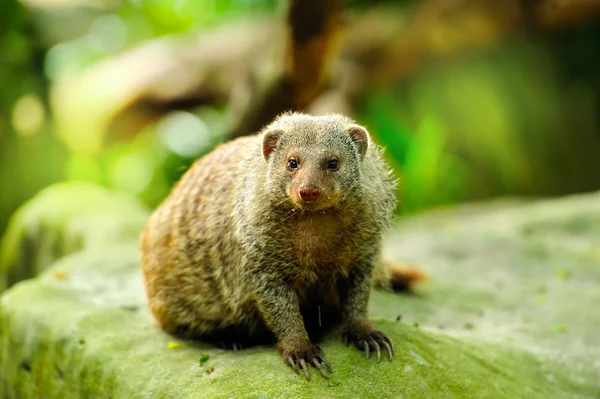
[
  {"x": 174, "y": 345},
  {"x": 60, "y": 275},
  {"x": 203, "y": 359}
]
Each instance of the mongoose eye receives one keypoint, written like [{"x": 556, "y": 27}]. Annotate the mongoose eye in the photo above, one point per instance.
[
  {"x": 332, "y": 164},
  {"x": 292, "y": 164}
]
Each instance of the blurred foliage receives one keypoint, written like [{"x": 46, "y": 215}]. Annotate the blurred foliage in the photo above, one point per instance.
[
  {"x": 113, "y": 28},
  {"x": 39, "y": 46},
  {"x": 519, "y": 118},
  {"x": 30, "y": 157},
  {"x": 522, "y": 118}
]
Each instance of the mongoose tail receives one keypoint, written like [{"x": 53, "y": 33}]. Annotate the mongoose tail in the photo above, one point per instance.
[{"x": 398, "y": 276}]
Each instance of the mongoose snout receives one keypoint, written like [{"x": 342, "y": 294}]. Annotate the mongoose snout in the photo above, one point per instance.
[{"x": 309, "y": 192}]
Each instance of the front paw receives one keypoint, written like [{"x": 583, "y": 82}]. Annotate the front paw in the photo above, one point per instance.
[
  {"x": 298, "y": 355},
  {"x": 367, "y": 338}
]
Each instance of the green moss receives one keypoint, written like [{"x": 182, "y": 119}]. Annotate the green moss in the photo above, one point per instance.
[
  {"x": 482, "y": 330},
  {"x": 61, "y": 219},
  {"x": 125, "y": 354}
]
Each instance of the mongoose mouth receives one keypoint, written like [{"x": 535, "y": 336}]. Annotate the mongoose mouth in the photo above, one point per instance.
[
  {"x": 312, "y": 206},
  {"x": 323, "y": 203}
]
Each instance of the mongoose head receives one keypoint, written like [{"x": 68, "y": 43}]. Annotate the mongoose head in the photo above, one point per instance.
[{"x": 314, "y": 161}]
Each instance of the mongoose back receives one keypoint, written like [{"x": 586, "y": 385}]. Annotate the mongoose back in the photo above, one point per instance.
[{"x": 275, "y": 235}]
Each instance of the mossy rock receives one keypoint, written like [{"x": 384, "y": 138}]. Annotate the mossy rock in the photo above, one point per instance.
[
  {"x": 510, "y": 312},
  {"x": 64, "y": 218}
]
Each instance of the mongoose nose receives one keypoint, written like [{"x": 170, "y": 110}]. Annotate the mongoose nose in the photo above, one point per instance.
[{"x": 309, "y": 192}]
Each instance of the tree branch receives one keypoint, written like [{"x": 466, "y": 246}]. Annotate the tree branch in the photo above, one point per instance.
[
  {"x": 313, "y": 29},
  {"x": 382, "y": 45}
]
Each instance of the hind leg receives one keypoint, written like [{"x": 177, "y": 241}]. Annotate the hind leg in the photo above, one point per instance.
[
  {"x": 179, "y": 320},
  {"x": 233, "y": 331}
]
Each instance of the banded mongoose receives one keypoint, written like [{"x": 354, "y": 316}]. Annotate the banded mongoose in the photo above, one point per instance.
[{"x": 275, "y": 235}]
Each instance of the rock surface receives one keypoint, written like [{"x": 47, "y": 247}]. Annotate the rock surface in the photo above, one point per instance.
[
  {"x": 511, "y": 311},
  {"x": 64, "y": 218}
]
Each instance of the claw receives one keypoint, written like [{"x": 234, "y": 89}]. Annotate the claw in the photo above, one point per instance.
[
  {"x": 392, "y": 345},
  {"x": 389, "y": 350},
  {"x": 324, "y": 361},
  {"x": 303, "y": 366},
  {"x": 293, "y": 364},
  {"x": 389, "y": 341},
  {"x": 366, "y": 349},
  {"x": 377, "y": 349},
  {"x": 321, "y": 369}
]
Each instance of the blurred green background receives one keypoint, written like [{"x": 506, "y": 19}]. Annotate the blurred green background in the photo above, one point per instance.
[{"x": 520, "y": 117}]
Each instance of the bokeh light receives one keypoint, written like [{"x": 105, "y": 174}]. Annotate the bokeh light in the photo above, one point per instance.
[
  {"x": 185, "y": 134},
  {"x": 28, "y": 115}
]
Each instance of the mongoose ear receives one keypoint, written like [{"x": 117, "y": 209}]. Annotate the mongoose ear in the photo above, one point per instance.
[
  {"x": 270, "y": 139},
  {"x": 360, "y": 136}
]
